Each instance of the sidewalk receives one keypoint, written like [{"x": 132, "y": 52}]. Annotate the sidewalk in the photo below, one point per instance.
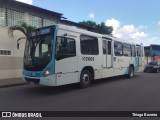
[{"x": 11, "y": 82}]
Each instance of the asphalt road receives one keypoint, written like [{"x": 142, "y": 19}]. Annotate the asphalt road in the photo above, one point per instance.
[{"x": 140, "y": 93}]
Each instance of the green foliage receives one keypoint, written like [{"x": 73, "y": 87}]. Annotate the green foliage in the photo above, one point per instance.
[
  {"x": 98, "y": 28},
  {"x": 148, "y": 53},
  {"x": 24, "y": 28}
]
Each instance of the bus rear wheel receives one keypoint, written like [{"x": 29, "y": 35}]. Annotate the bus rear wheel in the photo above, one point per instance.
[
  {"x": 130, "y": 72},
  {"x": 85, "y": 79}
]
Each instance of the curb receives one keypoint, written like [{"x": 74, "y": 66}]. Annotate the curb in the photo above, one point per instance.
[{"x": 13, "y": 85}]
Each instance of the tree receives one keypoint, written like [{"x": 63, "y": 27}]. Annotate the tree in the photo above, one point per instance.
[
  {"x": 24, "y": 28},
  {"x": 98, "y": 28},
  {"x": 88, "y": 23}
]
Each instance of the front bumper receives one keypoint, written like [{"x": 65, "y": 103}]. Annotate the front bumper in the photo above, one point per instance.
[{"x": 45, "y": 81}]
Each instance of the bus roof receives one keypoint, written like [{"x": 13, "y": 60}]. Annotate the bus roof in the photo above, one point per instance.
[{"x": 86, "y": 32}]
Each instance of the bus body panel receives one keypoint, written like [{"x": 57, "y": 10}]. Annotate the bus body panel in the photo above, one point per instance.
[
  {"x": 93, "y": 61},
  {"x": 66, "y": 69},
  {"x": 45, "y": 81}
]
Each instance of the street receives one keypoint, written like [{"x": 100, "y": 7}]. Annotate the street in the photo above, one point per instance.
[{"x": 140, "y": 93}]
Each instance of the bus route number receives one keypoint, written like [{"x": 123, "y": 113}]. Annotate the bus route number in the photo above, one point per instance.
[{"x": 88, "y": 58}]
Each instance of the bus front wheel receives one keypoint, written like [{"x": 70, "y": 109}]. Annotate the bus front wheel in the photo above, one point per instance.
[{"x": 85, "y": 79}]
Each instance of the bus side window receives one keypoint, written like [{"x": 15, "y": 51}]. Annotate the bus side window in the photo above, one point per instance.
[
  {"x": 133, "y": 51},
  {"x": 65, "y": 48},
  {"x": 118, "y": 49},
  {"x": 139, "y": 51},
  {"x": 104, "y": 47},
  {"x": 89, "y": 45},
  {"x": 109, "y": 48},
  {"x": 126, "y": 50}
]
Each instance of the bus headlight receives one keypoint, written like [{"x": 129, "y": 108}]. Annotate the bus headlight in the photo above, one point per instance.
[{"x": 46, "y": 73}]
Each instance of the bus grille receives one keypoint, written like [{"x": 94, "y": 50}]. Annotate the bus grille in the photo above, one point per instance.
[{"x": 35, "y": 81}]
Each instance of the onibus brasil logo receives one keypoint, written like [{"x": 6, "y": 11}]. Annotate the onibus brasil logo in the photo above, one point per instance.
[{"x": 21, "y": 114}]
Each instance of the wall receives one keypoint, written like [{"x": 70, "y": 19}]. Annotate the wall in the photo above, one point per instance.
[{"x": 11, "y": 66}]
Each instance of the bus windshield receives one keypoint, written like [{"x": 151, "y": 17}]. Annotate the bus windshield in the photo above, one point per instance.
[{"x": 38, "y": 51}]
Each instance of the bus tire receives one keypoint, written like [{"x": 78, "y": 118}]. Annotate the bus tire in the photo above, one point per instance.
[
  {"x": 130, "y": 72},
  {"x": 85, "y": 79}
]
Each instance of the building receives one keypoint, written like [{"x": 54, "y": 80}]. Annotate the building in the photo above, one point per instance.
[
  {"x": 13, "y": 13},
  {"x": 152, "y": 53}
]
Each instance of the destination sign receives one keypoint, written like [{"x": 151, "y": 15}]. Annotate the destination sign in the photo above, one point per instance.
[
  {"x": 45, "y": 31},
  {"x": 42, "y": 31}
]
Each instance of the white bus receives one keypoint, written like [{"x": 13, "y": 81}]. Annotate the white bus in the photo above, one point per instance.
[{"x": 59, "y": 55}]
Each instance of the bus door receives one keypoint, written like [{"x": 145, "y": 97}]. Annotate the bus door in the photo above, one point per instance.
[
  {"x": 109, "y": 54},
  {"x": 107, "y": 58},
  {"x": 66, "y": 67}
]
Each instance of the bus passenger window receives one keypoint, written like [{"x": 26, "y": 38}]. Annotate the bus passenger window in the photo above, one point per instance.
[
  {"x": 89, "y": 45},
  {"x": 133, "y": 51},
  {"x": 126, "y": 50},
  {"x": 109, "y": 48},
  {"x": 104, "y": 46},
  {"x": 138, "y": 51},
  {"x": 65, "y": 48},
  {"x": 118, "y": 49}
]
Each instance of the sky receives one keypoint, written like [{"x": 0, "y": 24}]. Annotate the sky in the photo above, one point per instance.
[{"x": 137, "y": 21}]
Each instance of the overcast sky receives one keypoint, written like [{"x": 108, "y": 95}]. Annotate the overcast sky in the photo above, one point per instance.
[{"x": 134, "y": 20}]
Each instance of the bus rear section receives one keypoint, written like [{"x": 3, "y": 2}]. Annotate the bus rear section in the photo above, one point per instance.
[
  {"x": 121, "y": 58},
  {"x": 140, "y": 58}
]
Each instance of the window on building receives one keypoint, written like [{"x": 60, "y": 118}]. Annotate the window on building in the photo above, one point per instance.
[
  {"x": 89, "y": 45},
  {"x": 10, "y": 17},
  {"x": 2, "y": 17},
  {"x": 126, "y": 50},
  {"x": 118, "y": 49},
  {"x": 14, "y": 17},
  {"x": 133, "y": 51},
  {"x": 5, "y": 52},
  {"x": 35, "y": 21},
  {"x": 48, "y": 22}
]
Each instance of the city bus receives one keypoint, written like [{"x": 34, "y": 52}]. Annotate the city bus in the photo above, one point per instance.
[{"x": 60, "y": 54}]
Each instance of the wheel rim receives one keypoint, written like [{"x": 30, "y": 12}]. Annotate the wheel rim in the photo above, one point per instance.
[
  {"x": 85, "y": 79},
  {"x": 131, "y": 73}
]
